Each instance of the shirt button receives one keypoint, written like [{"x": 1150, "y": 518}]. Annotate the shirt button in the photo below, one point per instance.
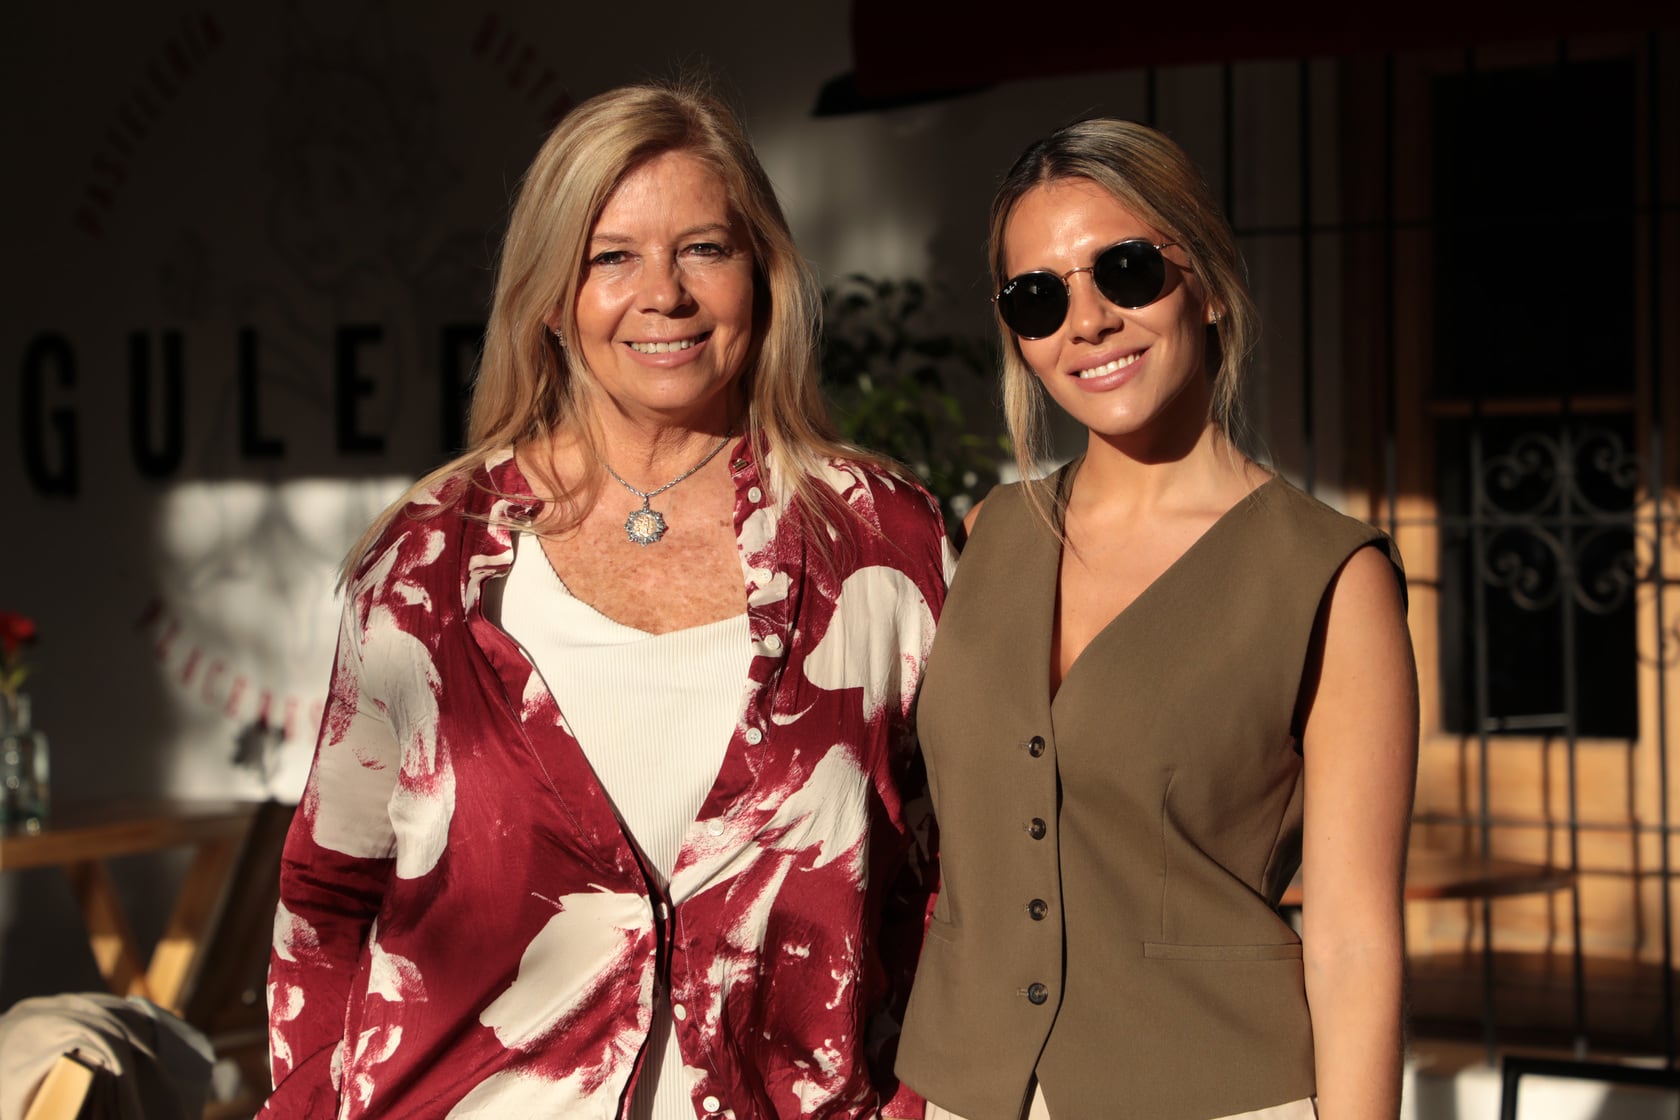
[
  {"x": 1037, "y": 828},
  {"x": 710, "y": 1103},
  {"x": 763, "y": 576},
  {"x": 753, "y": 495},
  {"x": 1037, "y": 993},
  {"x": 773, "y": 643},
  {"x": 754, "y": 736},
  {"x": 1038, "y": 908},
  {"x": 1035, "y": 745},
  {"x": 715, "y": 827}
]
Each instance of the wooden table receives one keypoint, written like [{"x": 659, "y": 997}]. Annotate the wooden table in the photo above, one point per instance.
[
  {"x": 81, "y": 838},
  {"x": 1432, "y": 873}
]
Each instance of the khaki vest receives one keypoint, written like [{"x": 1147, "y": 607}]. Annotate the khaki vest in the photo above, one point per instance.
[{"x": 1111, "y": 861}]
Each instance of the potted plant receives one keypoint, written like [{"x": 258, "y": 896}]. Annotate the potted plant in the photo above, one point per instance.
[
  {"x": 23, "y": 748},
  {"x": 892, "y": 378}
]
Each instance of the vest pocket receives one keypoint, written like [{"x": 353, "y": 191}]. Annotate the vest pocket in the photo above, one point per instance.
[
  {"x": 942, "y": 930},
  {"x": 1170, "y": 951}
]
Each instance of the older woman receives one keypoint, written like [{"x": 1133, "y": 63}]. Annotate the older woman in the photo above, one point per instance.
[
  {"x": 610, "y": 810},
  {"x": 1165, "y": 678}
]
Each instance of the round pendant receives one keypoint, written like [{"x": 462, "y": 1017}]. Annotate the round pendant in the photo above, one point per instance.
[{"x": 644, "y": 526}]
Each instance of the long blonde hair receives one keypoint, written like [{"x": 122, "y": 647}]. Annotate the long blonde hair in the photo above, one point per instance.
[
  {"x": 528, "y": 387},
  {"x": 1153, "y": 178}
]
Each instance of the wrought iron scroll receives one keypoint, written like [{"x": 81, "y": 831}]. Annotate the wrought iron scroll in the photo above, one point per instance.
[{"x": 1551, "y": 529}]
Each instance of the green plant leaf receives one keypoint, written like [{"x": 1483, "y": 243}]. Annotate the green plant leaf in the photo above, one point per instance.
[{"x": 888, "y": 375}]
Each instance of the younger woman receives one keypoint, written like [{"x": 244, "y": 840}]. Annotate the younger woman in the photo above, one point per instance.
[{"x": 1164, "y": 680}]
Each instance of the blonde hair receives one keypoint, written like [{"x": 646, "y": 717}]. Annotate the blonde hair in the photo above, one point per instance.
[
  {"x": 528, "y": 387},
  {"x": 1153, "y": 178}
]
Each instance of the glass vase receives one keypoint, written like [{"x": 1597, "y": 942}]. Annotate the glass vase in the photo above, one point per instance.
[{"x": 24, "y": 770}]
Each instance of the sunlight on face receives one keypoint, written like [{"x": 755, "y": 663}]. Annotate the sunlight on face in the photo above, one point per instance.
[
  {"x": 665, "y": 312},
  {"x": 1116, "y": 370}
]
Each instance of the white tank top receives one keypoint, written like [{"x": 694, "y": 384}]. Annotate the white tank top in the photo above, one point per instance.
[{"x": 654, "y": 714}]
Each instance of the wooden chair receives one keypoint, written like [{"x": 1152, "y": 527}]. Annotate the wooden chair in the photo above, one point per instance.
[
  {"x": 1515, "y": 1067},
  {"x": 214, "y": 979},
  {"x": 226, "y": 995},
  {"x": 65, "y": 1091}
]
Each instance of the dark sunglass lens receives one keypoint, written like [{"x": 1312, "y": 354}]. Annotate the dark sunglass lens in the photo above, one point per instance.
[
  {"x": 1034, "y": 305},
  {"x": 1130, "y": 274}
]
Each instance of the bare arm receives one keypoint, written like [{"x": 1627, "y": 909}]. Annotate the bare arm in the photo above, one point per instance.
[
  {"x": 968, "y": 521},
  {"x": 1360, "y": 750}
]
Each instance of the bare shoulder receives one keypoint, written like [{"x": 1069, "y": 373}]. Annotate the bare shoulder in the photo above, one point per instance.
[
  {"x": 1363, "y": 672},
  {"x": 1367, "y": 590}
]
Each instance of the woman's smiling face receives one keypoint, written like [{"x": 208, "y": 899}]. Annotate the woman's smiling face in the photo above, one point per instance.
[
  {"x": 665, "y": 311},
  {"x": 1115, "y": 370}
]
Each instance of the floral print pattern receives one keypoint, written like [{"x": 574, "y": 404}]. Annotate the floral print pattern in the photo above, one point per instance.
[{"x": 466, "y": 930}]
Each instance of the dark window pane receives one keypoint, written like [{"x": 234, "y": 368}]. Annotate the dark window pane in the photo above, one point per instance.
[
  {"x": 1545, "y": 526},
  {"x": 1534, "y": 193}
]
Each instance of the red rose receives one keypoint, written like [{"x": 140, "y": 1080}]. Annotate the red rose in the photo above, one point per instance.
[{"x": 15, "y": 630}]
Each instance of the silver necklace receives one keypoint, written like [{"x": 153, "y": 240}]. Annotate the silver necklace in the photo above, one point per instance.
[{"x": 646, "y": 525}]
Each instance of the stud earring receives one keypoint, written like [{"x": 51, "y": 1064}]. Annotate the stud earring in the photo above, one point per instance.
[{"x": 559, "y": 339}]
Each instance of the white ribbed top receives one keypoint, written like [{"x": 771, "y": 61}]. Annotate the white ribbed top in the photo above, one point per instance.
[{"x": 654, "y": 714}]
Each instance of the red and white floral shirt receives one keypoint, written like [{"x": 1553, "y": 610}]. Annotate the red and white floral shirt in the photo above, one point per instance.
[{"x": 466, "y": 930}]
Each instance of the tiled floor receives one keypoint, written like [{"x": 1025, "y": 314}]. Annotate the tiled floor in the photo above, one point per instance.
[{"x": 1452, "y": 1081}]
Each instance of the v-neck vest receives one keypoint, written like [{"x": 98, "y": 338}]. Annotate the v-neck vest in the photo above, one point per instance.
[{"x": 1111, "y": 862}]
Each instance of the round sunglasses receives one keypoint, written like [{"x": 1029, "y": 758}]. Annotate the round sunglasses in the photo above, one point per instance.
[{"x": 1130, "y": 274}]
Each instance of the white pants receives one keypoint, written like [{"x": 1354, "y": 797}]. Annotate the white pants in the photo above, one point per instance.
[
  {"x": 1294, "y": 1110},
  {"x": 1038, "y": 1111}
]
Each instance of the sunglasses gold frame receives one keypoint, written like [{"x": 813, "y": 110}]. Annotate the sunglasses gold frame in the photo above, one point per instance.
[{"x": 1062, "y": 278}]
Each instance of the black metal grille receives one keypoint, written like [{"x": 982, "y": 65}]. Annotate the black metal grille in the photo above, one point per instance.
[{"x": 1538, "y": 422}]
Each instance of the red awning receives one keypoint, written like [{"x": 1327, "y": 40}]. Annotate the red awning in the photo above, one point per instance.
[{"x": 912, "y": 49}]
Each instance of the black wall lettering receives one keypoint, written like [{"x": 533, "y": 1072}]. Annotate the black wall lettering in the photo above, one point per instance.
[
  {"x": 252, "y": 443},
  {"x": 459, "y": 345},
  {"x": 156, "y": 460},
  {"x": 49, "y": 355},
  {"x": 350, "y": 386}
]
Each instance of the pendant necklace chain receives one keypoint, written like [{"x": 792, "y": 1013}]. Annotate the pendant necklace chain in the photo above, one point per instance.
[{"x": 646, "y": 525}]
